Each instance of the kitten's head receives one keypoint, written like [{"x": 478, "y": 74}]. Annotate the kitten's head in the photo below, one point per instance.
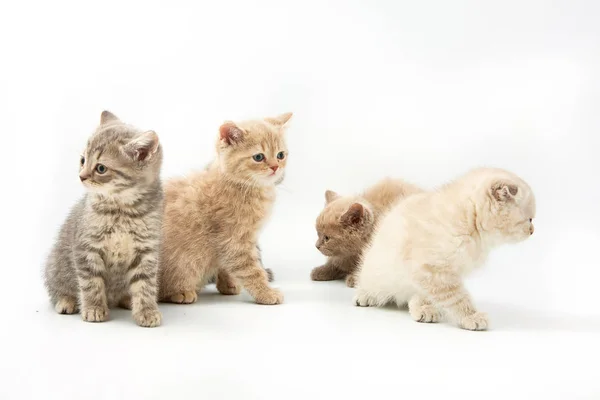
[
  {"x": 344, "y": 226},
  {"x": 119, "y": 158},
  {"x": 254, "y": 151},
  {"x": 508, "y": 208}
]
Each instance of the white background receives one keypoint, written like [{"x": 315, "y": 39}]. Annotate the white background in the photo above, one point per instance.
[{"x": 419, "y": 90}]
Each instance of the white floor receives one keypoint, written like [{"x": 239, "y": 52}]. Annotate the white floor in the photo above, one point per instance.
[{"x": 316, "y": 345}]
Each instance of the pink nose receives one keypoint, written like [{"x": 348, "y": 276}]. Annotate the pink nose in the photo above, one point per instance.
[{"x": 274, "y": 168}]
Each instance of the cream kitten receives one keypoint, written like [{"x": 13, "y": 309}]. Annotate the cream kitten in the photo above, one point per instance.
[{"x": 423, "y": 247}]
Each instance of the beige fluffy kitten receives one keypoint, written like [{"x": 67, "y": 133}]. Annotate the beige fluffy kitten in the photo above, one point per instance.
[
  {"x": 213, "y": 217},
  {"x": 424, "y": 246},
  {"x": 346, "y": 223}
]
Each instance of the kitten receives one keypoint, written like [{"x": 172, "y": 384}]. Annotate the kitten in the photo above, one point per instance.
[
  {"x": 345, "y": 225},
  {"x": 213, "y": 217},
  {"x": 423, "y": 247},
  {"x": 107, "y": 250}
]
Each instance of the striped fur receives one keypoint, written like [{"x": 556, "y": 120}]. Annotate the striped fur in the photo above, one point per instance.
[{"x": 107, "y": 250}]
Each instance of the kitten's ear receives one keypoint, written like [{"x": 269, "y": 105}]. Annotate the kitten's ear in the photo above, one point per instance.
[
  {"x": 143, "y": 147},
  {"x": 107, "y": 117},
  {"x": 330, "y": 196},
  {"x": 230, "y": 133},
  {"x": 280, "y": 120},
  {"x": 355, "y": 215},
  {"x": 504, "y": 191}
]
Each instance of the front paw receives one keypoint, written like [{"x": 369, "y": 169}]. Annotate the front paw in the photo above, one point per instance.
[
  {"x": 184, "y": 297},
  {"x": 149, "y": 318},
  {"x": 351, "y": 281},
  {"x": 66, "y": 305},
  {"x": 271, "y": 297},
  {"x": 94, "y": 314},
  {"x": 364, "y": 300},
  {"x": 474, "y": 322},
  {"x": 320, "y": 274},
  {"x": 425, "y": 313}
]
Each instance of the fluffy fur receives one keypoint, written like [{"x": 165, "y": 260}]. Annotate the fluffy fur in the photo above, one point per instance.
[
  {"x": 423, "y": 247},
  {"x": 345, "y": 225},
  {"x": 213, "y": 217},
  {"x": 107, "y": 250}
]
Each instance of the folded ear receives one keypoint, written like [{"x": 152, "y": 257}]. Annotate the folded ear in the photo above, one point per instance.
[
  {"x": 504, "y": 191},
  {"x": 143, "y": 147},
  {"x": 280, "y": 120},
  {"x": 330, "y": 196},
  {"x": 107, "y": 117},
  {"x": 356, "y": 215},
  {"x": 230, "y": 133}
]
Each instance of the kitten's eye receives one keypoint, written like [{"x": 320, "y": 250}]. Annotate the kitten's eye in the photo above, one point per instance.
[
  {"x": 280, "y": 155},
  {"x": 82, "y": 160},
  {"x": 101, "y": 169},
  {"x": 258, "y": 157},
  {"x": 326, "y": 238}
]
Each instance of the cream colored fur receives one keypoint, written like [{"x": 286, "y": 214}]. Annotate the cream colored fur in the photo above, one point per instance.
[
  {"x": 213, "y": 217},
  {"x": 423, "y": 247}
]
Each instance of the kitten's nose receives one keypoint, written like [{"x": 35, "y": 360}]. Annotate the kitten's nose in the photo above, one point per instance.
[
  {"x": 531, "y": 229},
  {"x": 83, "y": 177},
  {"x": 274, "y": 167}
]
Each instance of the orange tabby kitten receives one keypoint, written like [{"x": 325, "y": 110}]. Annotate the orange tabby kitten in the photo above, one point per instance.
[
  {"x": 213, "y": 217},
  {"x": 346, "y": 224}
]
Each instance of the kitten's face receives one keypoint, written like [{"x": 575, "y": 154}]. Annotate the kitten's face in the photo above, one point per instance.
[
  {"x": 343, "y": 227},
  {"x": 254, "y": 151},
  {"x": 510, "y": 213},
  {"x": 119, "y": 158}
]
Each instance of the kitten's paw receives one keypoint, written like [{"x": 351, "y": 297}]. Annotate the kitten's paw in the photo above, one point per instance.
[
  {"x": 425, "y": 313},
  {"x": 66, "y": 305},
  {"x": 228, "y": 288},
  {"x": 363, "y": 300},
  {"x": 270, "y": 274},
  {"x": 184, "y": 298},
  {"x": 351, "y": 281},
  {"x": 149, "y": 318},
  {"x": 321, "y": 273},
  {"x": 94, "y": 314},
  {"x": 270, "y": 297},
  {"x": 474, "y": 322}
]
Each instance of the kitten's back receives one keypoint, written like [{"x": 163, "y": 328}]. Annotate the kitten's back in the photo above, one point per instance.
[{"x": 386, "y": 192}]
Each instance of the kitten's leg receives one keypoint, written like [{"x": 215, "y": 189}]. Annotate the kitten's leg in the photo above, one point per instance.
[
  {"x": 328, "y": 272},
  {"x": 226, "y": 284},
  {"x": 66, "y": 305},
  {"x": 142, "y": 276},
  {"x": 447, "y": 292},
  {"x": 180, "y": 280},
  {"x": 421, "y": 309},
  {"x": 244, "y": 266},
  {"x": 90, "y": 275},
  {"x": 363, "y": 298}
]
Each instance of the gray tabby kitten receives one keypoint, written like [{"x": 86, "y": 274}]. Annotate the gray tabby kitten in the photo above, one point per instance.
[{"x": 107, "y": 250}]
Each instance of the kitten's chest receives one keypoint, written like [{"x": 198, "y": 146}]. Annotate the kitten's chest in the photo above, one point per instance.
[
  {"x": 118, "y": 237},
  {"x": 119, "y": 248},
  {"x": 472, "y": 256}
]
